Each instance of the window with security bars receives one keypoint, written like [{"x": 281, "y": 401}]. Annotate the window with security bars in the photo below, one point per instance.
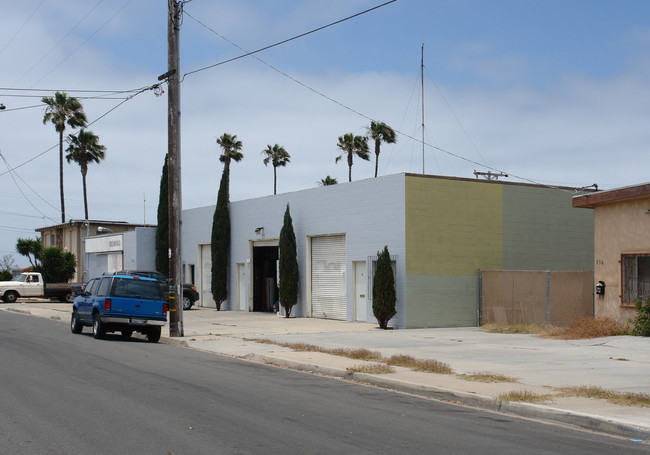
[
  {"x": 635, "y": 277},
  {"x": 372, "y": 264}
]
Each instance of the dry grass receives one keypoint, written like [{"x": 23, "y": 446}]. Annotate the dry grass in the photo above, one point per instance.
[
  {"x": 427, "y": 366},
  {"x": 373, "y": 368},
  {"x": 620, "y": 398},
  {"x": 525, "y": 397},
  {"x": 591, "y": 328},
  {"x": 487, "y": 377},
  {"x": 580, "y": 329},
  {"x": 525, "y": 329}
]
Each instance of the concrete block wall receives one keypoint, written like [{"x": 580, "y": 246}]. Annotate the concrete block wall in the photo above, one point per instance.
[{"x": 369, "y": 212}]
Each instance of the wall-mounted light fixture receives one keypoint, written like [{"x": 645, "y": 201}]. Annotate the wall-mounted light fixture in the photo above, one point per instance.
[
  {"x": 104, "y": 229},
  {"x": 259, "y": 230}
]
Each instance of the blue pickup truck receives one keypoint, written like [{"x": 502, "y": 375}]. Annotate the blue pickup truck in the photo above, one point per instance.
[{"x": 120, "y": 303}]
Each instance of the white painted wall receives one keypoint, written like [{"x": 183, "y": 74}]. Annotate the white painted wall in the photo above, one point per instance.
[{"x": 369, "y": 212}]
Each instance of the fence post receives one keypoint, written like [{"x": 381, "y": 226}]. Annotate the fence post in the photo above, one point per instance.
[
  {"x": 479, "y": 316},
  {"x": 548, "y": 297}
]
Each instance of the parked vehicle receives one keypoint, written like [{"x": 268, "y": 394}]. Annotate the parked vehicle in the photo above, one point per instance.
[
  {"x": 31, "y": 284},
  {"x": 190, "y": 294},
  {"x": 120, "y": 303}
]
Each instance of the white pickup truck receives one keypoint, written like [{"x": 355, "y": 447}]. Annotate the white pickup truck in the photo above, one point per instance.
[{"x": 31, "y": 284}]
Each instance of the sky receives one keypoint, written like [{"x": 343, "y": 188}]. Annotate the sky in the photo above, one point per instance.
[{"x": 549, "y": 92}]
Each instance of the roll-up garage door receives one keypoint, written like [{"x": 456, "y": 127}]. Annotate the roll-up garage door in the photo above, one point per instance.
[{"x": 328, "y": 297}]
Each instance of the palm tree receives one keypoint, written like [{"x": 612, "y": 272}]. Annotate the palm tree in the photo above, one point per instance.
[
  {"x": 231, "y": 150},
  {"x": 62, "y": 110},
  {"x": 379, "y": 132},
  {"x": 278, "y": 156},
  {"x": 351, "y": 145},
  {"x": 328, "y": 181},
  {"x": 84, "y": 149}
]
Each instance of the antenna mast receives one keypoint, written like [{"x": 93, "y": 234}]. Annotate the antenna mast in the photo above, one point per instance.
[{"x": 422, "y": 81}]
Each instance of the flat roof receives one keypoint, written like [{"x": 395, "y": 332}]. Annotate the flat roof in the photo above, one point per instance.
[{"x": 617, "y": 194}]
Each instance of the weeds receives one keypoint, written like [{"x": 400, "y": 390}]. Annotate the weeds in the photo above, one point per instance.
[
  {"x": 525, "y": 329},
  {"x": 525, "y": 396},
  {"x": 487, "y": 377},
  {"x": 427, "y": 366},
  {"x": 620, "y": 398},
  {"x": 590, "y": 328},
  {"x": 579, "y": 329},
  {"x": 373, "y": 368},
  {"x": 642, "y": 320}
]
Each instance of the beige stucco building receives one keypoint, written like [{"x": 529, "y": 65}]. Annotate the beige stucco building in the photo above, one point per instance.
[
  {"x": 70, "y": 236},
  {"x": 621, "y": 248}
]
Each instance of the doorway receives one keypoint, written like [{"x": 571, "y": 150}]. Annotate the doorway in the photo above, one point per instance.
[
  {"x": 360, "y": 291},
  {"x": 265, "y": 278}
]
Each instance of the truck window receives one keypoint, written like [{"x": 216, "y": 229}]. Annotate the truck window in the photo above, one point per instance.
[
  {"x": 91, "y": 286},
  {"x": 104, "y": 286},
  {"x": 35, "y": 279},
  {"x": 136, "y": 289}
]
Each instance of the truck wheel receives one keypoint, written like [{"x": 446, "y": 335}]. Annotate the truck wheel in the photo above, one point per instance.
[
  {"x": 10, "y": 297},
  {"x": 75, "y": 325},
  {"x": 153, "y": 334},
  {"x": 187, "y": 303},
  {"x": 98, "y": 328},
  {"x": 67, "y": 298}
]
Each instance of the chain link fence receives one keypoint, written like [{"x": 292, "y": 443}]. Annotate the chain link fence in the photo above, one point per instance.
[{"x": 535, "y": 296}]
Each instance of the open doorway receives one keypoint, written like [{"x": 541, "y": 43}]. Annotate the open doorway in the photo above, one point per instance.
[{"x": 265, "y": 277}]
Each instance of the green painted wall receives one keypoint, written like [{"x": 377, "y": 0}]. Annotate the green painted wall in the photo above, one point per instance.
[
  {"x": 541, "y": 230},
  {"x": 441, "y": 301}
]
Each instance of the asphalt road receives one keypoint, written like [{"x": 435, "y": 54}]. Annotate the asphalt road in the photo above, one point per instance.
[{"x": 62, "y": 393}]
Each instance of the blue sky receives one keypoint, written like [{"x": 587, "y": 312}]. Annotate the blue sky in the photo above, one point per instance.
[{"x": 551, "y": 92}]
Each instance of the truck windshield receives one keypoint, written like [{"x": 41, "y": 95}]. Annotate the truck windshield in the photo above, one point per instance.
[{"x": 21, "y": 278}]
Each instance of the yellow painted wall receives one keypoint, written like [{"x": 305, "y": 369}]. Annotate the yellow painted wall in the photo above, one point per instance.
[{"x": 453, "y": 227}]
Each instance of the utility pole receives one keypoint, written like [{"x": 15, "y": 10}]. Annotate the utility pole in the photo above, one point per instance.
[
  {"x": 422, "y": 82},
  {"x": 174, "y": 167}
]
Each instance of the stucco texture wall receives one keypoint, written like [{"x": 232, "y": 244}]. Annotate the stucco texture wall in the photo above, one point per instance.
[{"x": 620, "y": 228}]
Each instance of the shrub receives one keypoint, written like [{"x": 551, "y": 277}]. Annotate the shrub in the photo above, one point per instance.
[
  {"x": 642, "y": 320},
  {"x": 5, "y": 275},
  {"x": 383, "y": 290},
  {"x": 220, "y": 243},
  {"x": 57, "y": 265},
  {"x": 288, "y": 265}
]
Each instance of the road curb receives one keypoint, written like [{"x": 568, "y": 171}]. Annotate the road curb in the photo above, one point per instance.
[{"x": 526, "y": 410}]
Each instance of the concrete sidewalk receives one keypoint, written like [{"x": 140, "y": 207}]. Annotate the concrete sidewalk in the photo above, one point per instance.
[{"x": 539, "y": 365}]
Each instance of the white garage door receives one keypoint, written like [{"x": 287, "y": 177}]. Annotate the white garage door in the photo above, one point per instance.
[
  {"x": 328, "y": 297},
  {"x": 205, "y": 275}
]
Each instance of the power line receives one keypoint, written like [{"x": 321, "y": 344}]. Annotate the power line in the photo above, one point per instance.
[
  {"x": 351, "y": 109},
  {"x": 21, "y": 27},
  {"x": 130, "y": 97},
  {"x": 283, "y": 41},
  {"x": 58, "y": 43},
  {"x": 20, "y": 189},
  {"x": 84, "y": 42}
]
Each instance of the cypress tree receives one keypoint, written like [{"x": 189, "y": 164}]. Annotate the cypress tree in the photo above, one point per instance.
[
  {"x": 383, "y": 289},
  {"x": 220, "y": 243},
  {"x": 162, "y": 231},
  {"x": 288, "y": 265}
]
